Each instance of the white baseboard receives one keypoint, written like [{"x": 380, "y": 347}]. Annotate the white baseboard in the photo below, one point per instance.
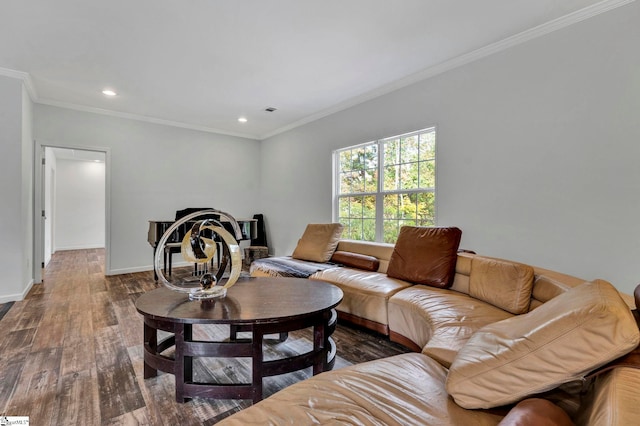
[
  {"x": 82, "y": 247},
  {"x": 145, "y": 268},
  {"x": 128, "y": 270},
  {"x": 18, "y": 296}
]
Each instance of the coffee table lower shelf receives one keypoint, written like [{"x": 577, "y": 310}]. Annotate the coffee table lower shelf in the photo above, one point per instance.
[{"x": 321, "y": 357}]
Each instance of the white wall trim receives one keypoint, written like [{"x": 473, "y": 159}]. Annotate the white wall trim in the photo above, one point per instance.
[
  {"x": 137, "y": 117},
  {"x": 80, "y": 247},
  {"x": 33, "y": 94},
  {"x": 135, "y": 269},
  {"x": 128, "y": 270},
  {"x": 26, "y": 80},
  {"x": 530, "y": 34}
]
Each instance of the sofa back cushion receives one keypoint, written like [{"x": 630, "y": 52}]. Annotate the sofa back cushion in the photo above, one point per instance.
[
  {"x": 502, "y": 283},
  {"x": 318, "y": 242},
  {"x": 425, "y": 255},
  {"x": 547, "y": 284},
  {"x": 558, "y": 342}
]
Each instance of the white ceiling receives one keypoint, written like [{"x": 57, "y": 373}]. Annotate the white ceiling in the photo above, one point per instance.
[{"x": 203, "y": 63}]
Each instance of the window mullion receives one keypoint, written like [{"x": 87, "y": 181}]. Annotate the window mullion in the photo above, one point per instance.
[{"x": 380, "y": 195}]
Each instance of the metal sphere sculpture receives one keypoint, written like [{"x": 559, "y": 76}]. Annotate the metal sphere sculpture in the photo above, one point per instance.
[{"x": 199, "y": 246}]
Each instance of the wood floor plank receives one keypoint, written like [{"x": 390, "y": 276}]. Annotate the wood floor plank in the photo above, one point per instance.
[
  {"x": 81, "y": 299},
  {"x": 138, "y": 417},
  {"x": 149, "y": 390},
  {"x": 34, "y": 396},
  {"x": 16, "y": 342},
  {"x": 102, "y": 311},
  {"x": 78, "y": 357},
  {"x": 44, "y": 360},
  {"x": 51, "y": 330},
  {"x": 163, "y": 401},
  {"x": 29, "y": 315},
  {"x": 118, "y": 390},
  {"x": 131, "y": 321},
  {"x": 97, "y": 285},
  {"x": 10, "y": 372},
  {"x": 117, "y": 288},
  {"x": 79, "y": 327},
  {"x": 77, "y": 399}
]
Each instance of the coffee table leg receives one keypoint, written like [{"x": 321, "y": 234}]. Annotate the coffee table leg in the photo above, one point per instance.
[
  {"x": 320, "y": 344},
  {"x": 151, "y": 340},
  {"x": 256, "y": 373},
  {"x": 233, "y": 332},
  {"x": 183, "y": 364}
]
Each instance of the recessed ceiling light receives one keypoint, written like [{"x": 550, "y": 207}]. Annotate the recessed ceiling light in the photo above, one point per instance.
[
  {"x": 108, "y": 92},
  {"x": 242, "y": 119}
]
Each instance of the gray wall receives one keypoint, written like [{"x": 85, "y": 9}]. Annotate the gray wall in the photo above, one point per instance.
[
  {"x": 537, "y": 151},
  {"x": 156, "y": 170},
  {"x": 10, "y": 174},
  {"x": 15, "y": 196},
  {"x": 26, "y": 191}
]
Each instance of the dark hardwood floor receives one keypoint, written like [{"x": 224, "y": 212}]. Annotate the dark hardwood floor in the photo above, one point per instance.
[{"x": 71, "y": 353}]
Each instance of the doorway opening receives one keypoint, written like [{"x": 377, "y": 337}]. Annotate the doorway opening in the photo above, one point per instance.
[{"x": 71, "y": 202}]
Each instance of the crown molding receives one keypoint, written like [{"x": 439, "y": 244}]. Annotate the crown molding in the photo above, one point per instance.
[
  {"x": 530, "y": 34},
  {"x": 144, "y": 118},
  {"x": 33, "y": 94},
  {"x": 26, "y": 80},
  {"x": 13, "y": 73}
]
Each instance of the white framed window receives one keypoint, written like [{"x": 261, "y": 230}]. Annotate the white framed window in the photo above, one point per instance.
[{"x": 382, "y": 185}]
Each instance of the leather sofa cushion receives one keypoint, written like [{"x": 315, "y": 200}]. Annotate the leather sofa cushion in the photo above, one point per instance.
[
  {"x": 318, "y": 242},
  {"x": 356, "y": 260},
  {"x": 405, "y": 389},
  {"x": 502, "y": 283},
  {"x": 425, "y": 255},
  {"x": 556, "y": 343},
  {"x": 366, "y": 293},
  {"x": 439, "y": 321}
]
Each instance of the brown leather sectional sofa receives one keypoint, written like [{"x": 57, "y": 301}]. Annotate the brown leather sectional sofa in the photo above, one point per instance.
[{"x": 503, "y": 332}]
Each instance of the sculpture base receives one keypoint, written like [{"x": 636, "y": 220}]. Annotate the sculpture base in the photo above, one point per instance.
[{"x": 212, "y": 293}]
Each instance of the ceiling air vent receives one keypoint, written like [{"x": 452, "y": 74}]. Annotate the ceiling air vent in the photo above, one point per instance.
[{"x": 270, "y": 109}]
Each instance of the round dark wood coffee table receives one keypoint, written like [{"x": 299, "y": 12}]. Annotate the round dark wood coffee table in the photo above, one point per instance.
[{"x": 258, "y": 305}]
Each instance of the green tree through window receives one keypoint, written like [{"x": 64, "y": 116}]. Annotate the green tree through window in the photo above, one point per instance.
[{"x": 383, "y": 185}]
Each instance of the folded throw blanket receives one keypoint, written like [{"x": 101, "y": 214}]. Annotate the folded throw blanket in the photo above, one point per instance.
[{"x": 288, "y": 267}]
